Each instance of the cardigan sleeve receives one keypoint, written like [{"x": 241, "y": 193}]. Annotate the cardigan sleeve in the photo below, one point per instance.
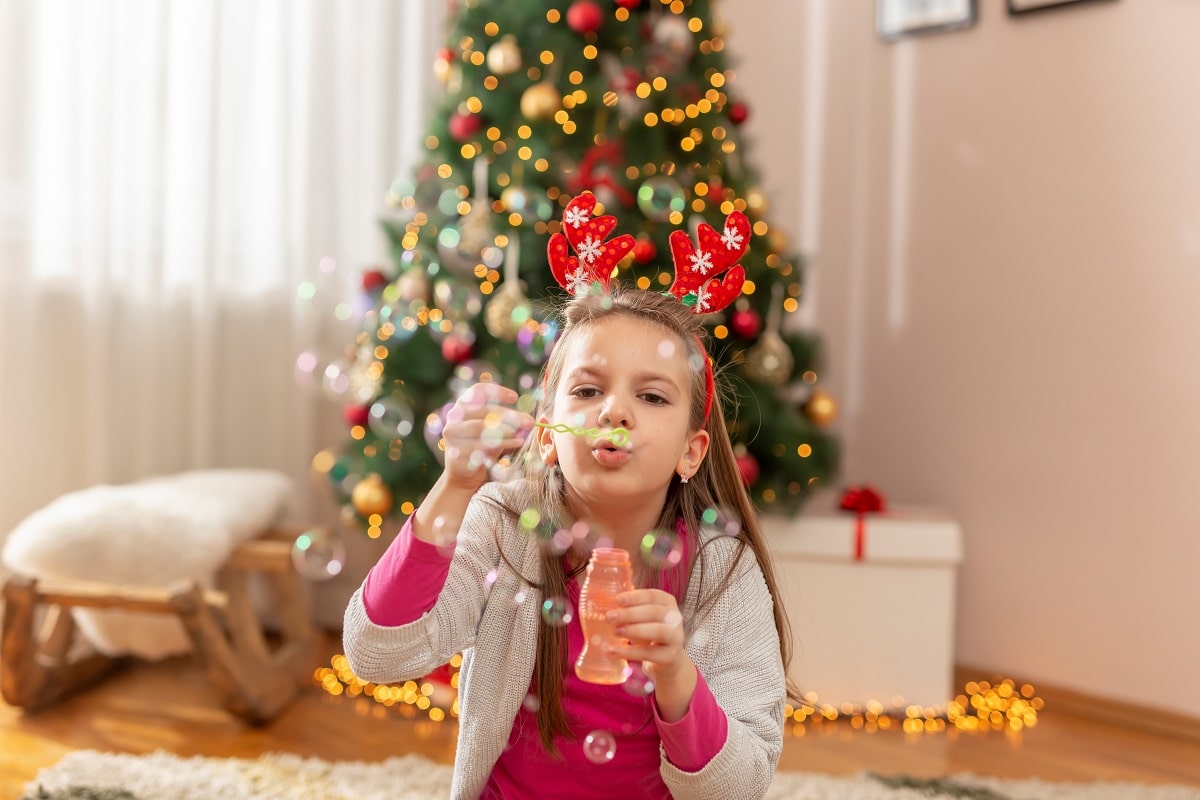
[
  {"x": 736, "y": 648},
  {"x": 407, "y": 580},
  {"x": 389, "y": 653}
]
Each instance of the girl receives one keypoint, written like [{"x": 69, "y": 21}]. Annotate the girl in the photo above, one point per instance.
[{"x": 467, "y": 574}]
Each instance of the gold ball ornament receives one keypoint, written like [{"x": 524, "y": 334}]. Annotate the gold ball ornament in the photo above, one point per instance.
[
  {"x": 502, "y": 315},
  {"x": 770, "y": 360},
  {"x": 821, "y": 409},
  {"x": 541, "y": 101},
  {"x": 371, "y": 496},
  {"x": 504, "y": 57}
]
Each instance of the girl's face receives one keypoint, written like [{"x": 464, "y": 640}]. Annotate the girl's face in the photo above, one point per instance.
[{"x": 623, "y": 372}]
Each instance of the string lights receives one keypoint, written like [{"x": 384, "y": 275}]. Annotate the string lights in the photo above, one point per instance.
[{"x": 996, "y": 705}]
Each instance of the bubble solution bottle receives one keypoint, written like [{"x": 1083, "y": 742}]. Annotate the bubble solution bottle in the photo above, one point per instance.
[{"x": 609, "y": 573}]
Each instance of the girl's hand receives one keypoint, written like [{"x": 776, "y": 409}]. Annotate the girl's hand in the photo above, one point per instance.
[
  {"x": 651, "y": 621},
  {"x": 479, "y": 427}
]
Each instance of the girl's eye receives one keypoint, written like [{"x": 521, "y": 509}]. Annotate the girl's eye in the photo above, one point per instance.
[
  {"x": 654, "y": 399},
  {"x": 585, "y": 392}
]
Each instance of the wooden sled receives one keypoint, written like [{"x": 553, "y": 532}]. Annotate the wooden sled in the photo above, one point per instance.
[{"x": 252, "y": 680}]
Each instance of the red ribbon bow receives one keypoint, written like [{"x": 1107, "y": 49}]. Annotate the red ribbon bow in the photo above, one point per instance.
[{"x": 862, "y": 500}]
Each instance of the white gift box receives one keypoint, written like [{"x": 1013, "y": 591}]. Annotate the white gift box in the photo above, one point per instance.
[{"x": 879, "y": 628}]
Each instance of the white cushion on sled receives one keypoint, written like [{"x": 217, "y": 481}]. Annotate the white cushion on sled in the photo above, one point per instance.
[{"x": 148, "y": 533}]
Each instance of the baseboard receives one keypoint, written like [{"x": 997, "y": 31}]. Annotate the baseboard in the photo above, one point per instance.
[{"x": 1061, "y": 700}]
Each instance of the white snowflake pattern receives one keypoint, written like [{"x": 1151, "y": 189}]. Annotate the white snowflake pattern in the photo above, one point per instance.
[
  {"x": 731, "y": 238},
  {"x": 590, "y": 249},
  {"x": 703, "y": 301},
  {"x": 576, "y": 217},
  {"x": 578, "y": 281},
  {"x": 701, "y": 262}
]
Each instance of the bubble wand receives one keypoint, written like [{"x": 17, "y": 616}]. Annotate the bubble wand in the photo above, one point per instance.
[{"x": 618, "y": 436}]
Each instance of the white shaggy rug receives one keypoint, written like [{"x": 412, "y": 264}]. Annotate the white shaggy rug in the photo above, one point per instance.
[{"x": 89, "y": 775}]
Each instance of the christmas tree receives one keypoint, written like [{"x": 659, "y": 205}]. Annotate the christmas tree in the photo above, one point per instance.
[{"x": 627, "y": 99}]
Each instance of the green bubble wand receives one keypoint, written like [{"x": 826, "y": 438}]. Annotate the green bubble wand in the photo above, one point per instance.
[{"x": 618, "y": 436}]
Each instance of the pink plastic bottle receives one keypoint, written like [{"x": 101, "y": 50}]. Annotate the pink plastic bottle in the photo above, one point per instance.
[{"x": 609, "y": 573}]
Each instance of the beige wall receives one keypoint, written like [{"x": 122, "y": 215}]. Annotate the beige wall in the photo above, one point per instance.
[{"x": 1004, "y": 232}]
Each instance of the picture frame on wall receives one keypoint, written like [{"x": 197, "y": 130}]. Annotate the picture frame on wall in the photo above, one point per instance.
[
  {"x": 895, "y": 19},
  {"x": 1028, "y": 6}
]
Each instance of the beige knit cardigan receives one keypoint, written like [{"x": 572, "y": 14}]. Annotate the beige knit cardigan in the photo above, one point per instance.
[{"x": 735, "y": 647}]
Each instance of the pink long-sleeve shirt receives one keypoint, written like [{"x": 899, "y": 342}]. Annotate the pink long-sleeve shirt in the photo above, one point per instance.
[{"x": 405, "y": 584}]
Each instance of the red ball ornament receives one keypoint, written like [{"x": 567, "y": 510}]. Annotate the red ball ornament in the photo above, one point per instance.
[
  {"x": 373, "y": 279},
  {"x": 464, "y": 126},
  {"x": 356, "y": 415},
  {"x": 584, "y": 16},
  {"x": 644, "y": 251},
  {"x": 738, "y": 113},
  {"x": 631, "y": 4},
  {"x": 745, "y": 324},
  {"x": 748, "y": 468},
  {"x": 456, "y": 350},
  {"x": 715, "y": 189}
]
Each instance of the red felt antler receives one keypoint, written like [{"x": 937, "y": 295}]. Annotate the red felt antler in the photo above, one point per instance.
[
  {"x": 596, "y": 259},
  {"x": 697, "y": 270}
]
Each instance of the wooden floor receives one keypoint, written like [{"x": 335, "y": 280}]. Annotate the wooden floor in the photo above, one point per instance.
[{"x": 167, "y": 706}]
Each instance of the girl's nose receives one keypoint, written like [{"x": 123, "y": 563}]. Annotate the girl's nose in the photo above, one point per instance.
[{"x": 615, "y": 414}]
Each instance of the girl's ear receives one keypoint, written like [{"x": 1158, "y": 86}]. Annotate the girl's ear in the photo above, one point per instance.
[
  {"x": 694, "y": 453},
  {"x": 545, "y": 443}
]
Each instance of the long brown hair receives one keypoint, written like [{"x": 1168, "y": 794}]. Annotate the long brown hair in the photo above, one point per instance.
[{"x": 717, "y": 484}]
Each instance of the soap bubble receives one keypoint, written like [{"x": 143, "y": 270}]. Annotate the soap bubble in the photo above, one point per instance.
[
  {"x": 391, "y": 418},
  {"x": 435, "y": 425},
  {"x": 535, "y": 341},
  {"x": 721, "y": 522},
  {"x": 600, "y": 747},
  {"x": 638, "y": 683},
  {"x": 531, "y": 703},
  {"x": 318, "y": 555},
  {"x": 557, "y": 611},
  {"x": 471, "y": 372},
  {"x": 661, "y": 549}
]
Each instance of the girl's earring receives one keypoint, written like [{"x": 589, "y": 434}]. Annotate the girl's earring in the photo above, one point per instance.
[{"x": 684, "y": 478}]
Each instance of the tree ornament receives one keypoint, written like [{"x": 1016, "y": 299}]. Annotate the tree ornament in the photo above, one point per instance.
[
  {"x": 671, "y": 33},
  {"x": 504, "y": 57},
  {"x": 356, "y": 414},
  {"x": 464, "y": 126},
  {"x": 584, "y": 17},
  {"x": 659, "y": 196},
  {"x": 745, "y": 323},
  {"x": 475, "y": 228},
  {"x": 598, "y": 172},
  {"x": 509, "y": 308},
  {"x": 373, "y": 280},
  {"x": 644, "y": 250},
  {"x": 747, "y": 466},
  {"x": 413, "y": 285},
  {"x": 630, "y": 4},
  {"x": 820, "y": 408},
  {"x": 540, "y": 101},
  {"x": 371, "y": 496},
  {"x": 770, "y": 360},
  {"x": 738, "y": 113},
  {"x": 456, "y": 349}
]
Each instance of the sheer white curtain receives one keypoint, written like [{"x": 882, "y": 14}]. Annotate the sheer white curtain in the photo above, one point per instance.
[{"x": 170, "y": 172}]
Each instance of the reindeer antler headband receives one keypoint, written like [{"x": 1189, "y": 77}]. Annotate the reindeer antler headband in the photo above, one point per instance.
[{"x": 698, "y": 281}]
